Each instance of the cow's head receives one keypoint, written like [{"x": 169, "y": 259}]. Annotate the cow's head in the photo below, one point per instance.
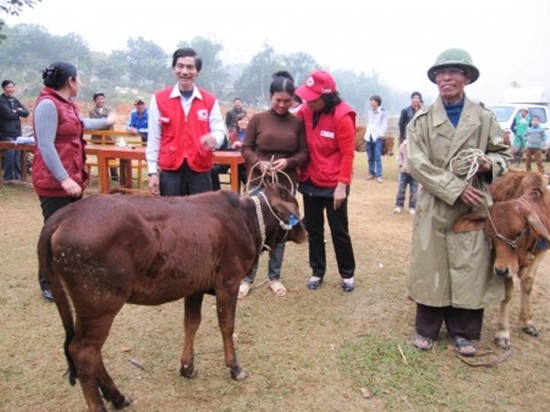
[
  {"x": 285, "y": 211},
  {"x": 514, "y": 229}
]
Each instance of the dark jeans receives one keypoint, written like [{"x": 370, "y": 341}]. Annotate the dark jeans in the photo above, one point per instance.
[
  {"x": 374, "y": 155},
  {"x": 314, "y": 208},
  {"x": 49, "y": 206},
  {"x": 12, "y": 162},
  {"x": 184, "y": 181},
  {"x": 275, "y": 263},
  {"x": 404, "y": 180},
  {"x": 459, "y": 322}
]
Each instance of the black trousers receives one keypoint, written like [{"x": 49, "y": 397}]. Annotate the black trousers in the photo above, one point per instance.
[
  {"x": 459, "y": 322},
  {"x": 314, "y": 208},
  {"x": 49, "y": 206},
  {"x": 184, "y": 181}
]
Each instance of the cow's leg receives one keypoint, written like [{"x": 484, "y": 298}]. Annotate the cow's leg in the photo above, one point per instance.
[
  {"x": 109, "y": 390},
  {"x": 502, "y": 334},
  {"x": 90, "y": 335},
  {"x": 226, "y": 303},
  {"x": 192, "y": 321},
  {"x": 527, "y": 280}
]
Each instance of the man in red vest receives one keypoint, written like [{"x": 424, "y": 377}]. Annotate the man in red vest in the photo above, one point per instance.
[{"x": 185, "y": 127}]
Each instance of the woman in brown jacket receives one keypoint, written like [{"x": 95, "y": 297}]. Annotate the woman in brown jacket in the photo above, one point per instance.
[{"x": 275, "y": 142}]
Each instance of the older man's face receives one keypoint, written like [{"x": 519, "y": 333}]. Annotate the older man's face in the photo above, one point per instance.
[{"x": 451, "y": 81}]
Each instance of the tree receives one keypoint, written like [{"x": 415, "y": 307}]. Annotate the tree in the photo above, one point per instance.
[
  {"x": 29, "y": 48},
  {"x": 147, "y": 64},
  {"x": 13, "y": 7},
  {"x": 252, "y": 86},
  {"x": 212, "y": 76},
  {"x": 299, "y": 65}
]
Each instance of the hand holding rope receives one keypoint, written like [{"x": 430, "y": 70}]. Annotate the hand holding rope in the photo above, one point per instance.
[{"x": 466, "y": 164}]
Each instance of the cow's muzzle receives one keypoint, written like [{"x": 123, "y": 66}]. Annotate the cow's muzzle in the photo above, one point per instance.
[{"x": 502, "y": 272}]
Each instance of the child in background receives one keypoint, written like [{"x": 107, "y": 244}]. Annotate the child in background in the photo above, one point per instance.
[
  {"x": 405, "y": 178},
  {"x": 534, "y": 138}
]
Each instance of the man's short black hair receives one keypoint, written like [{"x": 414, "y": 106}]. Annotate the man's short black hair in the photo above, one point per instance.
[{"x": 96, "y": 95}]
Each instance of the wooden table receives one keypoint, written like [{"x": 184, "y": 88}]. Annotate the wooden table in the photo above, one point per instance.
[
  {"x": 126, "y": 154},
  {"x": 233, "y": 159},
  {"x": 107, "y": 152},
  {"x": 23, "y": 150}
]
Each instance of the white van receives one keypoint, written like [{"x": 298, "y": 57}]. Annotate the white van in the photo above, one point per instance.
[
  {"x": 537, "y": 101},
  {"x": 507, "y": 112}
]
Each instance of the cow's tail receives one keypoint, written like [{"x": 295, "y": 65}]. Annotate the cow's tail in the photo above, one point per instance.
[{"x": 61, "y": 297}]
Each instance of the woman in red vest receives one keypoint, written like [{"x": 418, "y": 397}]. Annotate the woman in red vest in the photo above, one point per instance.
[
  {"x": 325, "y": 180},
  {"x": 58, "y": 171}
]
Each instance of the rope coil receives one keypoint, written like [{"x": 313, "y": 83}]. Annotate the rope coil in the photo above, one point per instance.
[
  {"x": 466, "y": 163},
  {"x": 267, "y": 177}
]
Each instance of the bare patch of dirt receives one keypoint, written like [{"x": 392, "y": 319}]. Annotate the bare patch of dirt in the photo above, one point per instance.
[{"x": 306, "y": 351}]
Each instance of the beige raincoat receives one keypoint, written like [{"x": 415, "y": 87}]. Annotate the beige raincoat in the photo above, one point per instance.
[{"x": 449, "y": 269}]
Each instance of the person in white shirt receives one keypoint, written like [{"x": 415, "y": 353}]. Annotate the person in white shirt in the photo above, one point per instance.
[
  {"x": 377, "y": 124},
  {"x": 185, "y": 127}
]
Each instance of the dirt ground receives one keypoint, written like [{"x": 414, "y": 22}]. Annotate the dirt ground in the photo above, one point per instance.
[{"x": 310, "y": 351}]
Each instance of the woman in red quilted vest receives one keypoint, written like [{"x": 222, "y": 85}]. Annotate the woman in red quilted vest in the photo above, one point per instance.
[{"x": 58, "y": 171}]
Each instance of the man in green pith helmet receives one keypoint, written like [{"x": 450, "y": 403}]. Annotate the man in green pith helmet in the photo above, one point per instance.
[{"x": 451, "y": 279}]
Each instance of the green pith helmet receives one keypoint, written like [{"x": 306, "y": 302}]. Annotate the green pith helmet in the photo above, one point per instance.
[{"x": 455, "y": 57}]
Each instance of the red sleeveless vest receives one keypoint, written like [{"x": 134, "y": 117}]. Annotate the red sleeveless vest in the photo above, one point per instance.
[
  {"x": 325, "y": 158},
  {"x": 180, "y": 134},
  {"x": 69, "y": 143}
]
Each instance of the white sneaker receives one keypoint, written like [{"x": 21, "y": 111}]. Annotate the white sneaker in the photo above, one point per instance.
[
  {"x": 412, "y": 211},
  {"x": 397, "y": 210}
]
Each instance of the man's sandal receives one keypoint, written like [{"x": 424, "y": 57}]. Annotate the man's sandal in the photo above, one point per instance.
[
  {"x": 277, "y": 288},
  {"x": 422, "y": 342},
  {"x": 244, "y": 289},
  {"x": 464, "y": 346}
]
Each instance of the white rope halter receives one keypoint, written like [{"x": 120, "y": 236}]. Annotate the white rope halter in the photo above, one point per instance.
[
  {"x": 284, "y": 226},
  {"x": 261, "y": 223}
]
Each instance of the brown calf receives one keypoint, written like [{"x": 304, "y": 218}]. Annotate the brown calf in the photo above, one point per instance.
[
  {"x": 518, "y": 225},
  {"x": 105, "y": 251}
]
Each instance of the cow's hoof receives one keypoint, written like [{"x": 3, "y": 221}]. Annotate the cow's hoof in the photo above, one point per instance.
[
  {"x": 503, "y": 343},
  {"x": 188, "y": 372},
  {"x": 123, "y": 403},
  {"x": 239, "y": 374},
  {"x": 531, "y": 330}
]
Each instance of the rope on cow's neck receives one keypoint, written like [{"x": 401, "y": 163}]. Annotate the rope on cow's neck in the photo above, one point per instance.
[
  {"x": 261, "y": 222},
  {"x": 466, "y": 163}
]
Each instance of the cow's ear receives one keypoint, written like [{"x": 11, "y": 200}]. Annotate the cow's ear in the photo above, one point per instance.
[
  {"x": 537, "y": 226},
  {"x": 470, "y": 222}
]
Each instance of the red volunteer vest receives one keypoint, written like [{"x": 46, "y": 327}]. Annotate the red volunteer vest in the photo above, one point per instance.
[
  {"x": 325, "y": 158},
  {"x": 69, "y": 144},
  {"x": 180, "y": 134}
]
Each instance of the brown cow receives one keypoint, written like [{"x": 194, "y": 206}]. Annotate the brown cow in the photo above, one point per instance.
[
  {"x": 105, "y": 251},
  {"x": 518, "y": 224}
]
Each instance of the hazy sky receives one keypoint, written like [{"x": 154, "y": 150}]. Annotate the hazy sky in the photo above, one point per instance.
[{"x": 398, "y": 39}]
